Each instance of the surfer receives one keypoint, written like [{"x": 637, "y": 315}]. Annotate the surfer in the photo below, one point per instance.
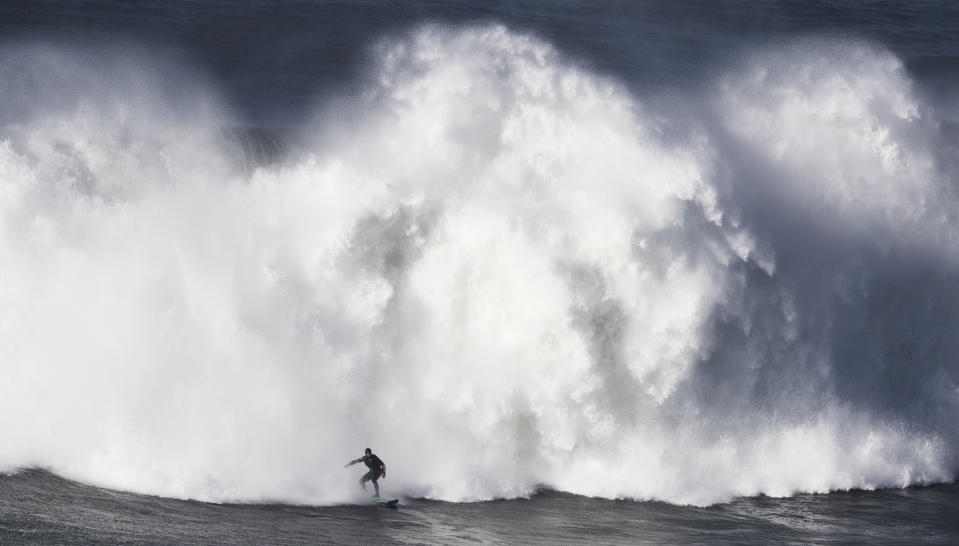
[{"x": 376, "y": 466}]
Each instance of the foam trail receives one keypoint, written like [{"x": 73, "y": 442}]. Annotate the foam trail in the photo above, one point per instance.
[{"x": 498, "y": 270}]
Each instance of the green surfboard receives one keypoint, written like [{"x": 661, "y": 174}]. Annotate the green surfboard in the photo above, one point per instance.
[{"x": 388, "y": 503}]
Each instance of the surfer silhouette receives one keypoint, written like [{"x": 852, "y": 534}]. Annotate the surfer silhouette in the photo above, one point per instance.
[{"x": 377, "y": 469}]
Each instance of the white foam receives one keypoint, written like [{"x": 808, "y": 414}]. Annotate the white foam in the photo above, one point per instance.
[{"x": 497, "y": 275}]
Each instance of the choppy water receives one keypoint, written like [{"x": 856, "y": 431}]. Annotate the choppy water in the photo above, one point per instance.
[
  {"x": 39, "y": 508},
  {"x": 698, "y": 254}
]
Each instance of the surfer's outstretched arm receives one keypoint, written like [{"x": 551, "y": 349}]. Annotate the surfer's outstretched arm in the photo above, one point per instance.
[{"x": 353, "y": 462}]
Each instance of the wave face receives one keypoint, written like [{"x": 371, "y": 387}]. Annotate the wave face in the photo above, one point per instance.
[{"x": 494, "y": 267}]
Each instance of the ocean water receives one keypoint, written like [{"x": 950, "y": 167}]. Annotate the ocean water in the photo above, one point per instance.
[
  {"x": 576, "y": 271},
  {"x": 40, "y": 508}
]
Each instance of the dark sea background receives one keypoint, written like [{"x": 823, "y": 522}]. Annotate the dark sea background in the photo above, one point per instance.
[{"x": 608, "y": 272}]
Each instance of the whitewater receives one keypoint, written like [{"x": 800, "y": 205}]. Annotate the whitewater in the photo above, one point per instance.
[{"x": 497, "y": 266}]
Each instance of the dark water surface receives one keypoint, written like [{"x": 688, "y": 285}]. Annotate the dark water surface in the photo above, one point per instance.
[
  {"x": 37, "y": 507},
  {"x": 277, "y": 59}
]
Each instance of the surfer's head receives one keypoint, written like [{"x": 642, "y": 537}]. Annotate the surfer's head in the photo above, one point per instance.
[{"x": 369, "y": 451}]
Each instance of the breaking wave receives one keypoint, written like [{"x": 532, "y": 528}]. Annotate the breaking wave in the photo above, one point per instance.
[{"x": 498, "y": 269}]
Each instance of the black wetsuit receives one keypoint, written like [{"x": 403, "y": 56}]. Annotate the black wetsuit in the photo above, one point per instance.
[{"x": 377, "y": 469}]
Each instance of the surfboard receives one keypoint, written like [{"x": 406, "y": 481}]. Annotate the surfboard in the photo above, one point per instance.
[{"x": 387, "y": 503}]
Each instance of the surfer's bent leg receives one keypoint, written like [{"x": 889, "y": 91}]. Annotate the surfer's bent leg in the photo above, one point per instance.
[{"x": 372, "y": 476}]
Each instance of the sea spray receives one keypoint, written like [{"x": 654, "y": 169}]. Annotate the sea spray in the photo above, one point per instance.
[{"x": 495, "y": 268}]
